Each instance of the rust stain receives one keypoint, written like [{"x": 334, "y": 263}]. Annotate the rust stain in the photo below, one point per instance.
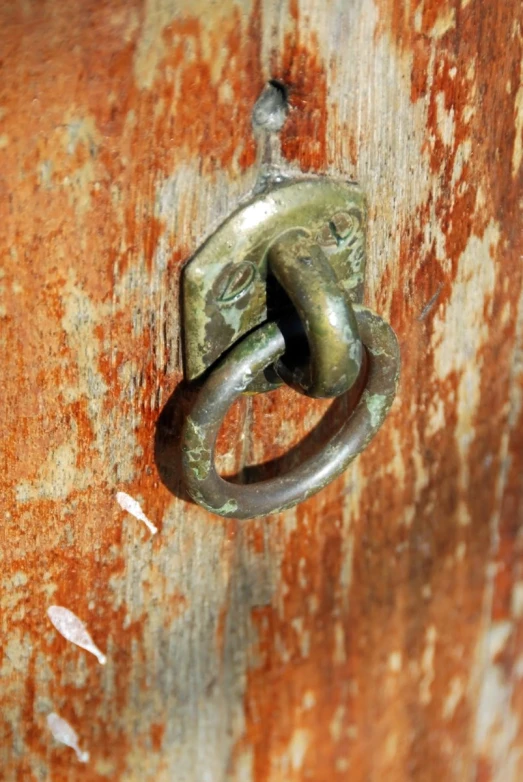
[
  {"x": 86, "y": 155},
  {"x": 299, "y": 66},
  {"x": 422, "y": 543},
  {"x": 301, "y": 653}
]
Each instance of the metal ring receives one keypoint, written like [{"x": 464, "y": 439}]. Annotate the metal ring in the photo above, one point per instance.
[
  {"x": 336, "y": 352},
  {"x": 233, "y": 376}
]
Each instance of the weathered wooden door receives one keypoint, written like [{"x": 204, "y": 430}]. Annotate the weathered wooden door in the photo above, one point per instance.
[{"x": 374, "y": 632}]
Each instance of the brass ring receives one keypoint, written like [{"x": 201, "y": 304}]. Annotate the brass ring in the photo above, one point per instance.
[{"x": 233, "y": 376}]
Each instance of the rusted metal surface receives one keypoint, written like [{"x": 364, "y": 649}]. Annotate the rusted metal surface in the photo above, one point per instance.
[{"x": 374, "y": 632}]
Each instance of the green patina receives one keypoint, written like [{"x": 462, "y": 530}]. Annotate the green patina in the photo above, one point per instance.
[
  {"x": 228, "y": 507},
  {"x": 197, "y": 454},
  {"x": 377, "y": 405}
]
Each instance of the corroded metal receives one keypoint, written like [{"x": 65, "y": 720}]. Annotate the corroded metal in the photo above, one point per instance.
[
  {"x": 226, "y": 290},
  {"x": 234, "y": 375},
  {"x": 334, "y": 346}
]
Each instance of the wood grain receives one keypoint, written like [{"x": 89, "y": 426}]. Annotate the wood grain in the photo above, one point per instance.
[{"x": 373, "y": 632}]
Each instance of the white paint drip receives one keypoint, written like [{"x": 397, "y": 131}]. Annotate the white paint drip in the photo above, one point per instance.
[
  {"x": 65, "y": 734},
  {"x": 126, "y": 502},
  {"x": 73, "y": 629}
]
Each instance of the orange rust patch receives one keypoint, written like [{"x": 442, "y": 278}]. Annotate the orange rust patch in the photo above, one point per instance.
[
  {"x": 157, "y": 734},
  {"x": 420, "y": 575},
  {"x": 301, "y": 69},
  {"x": 90, "y": 319}
]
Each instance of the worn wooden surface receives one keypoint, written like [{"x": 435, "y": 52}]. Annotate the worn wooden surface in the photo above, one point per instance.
[{"x": 375, "y": 632}]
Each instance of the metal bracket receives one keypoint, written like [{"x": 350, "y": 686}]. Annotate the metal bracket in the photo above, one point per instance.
[{"x": 226, "y": 283}]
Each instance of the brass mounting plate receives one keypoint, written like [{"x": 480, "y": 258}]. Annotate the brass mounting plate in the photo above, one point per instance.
[{"x": 225, "y": 282}]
